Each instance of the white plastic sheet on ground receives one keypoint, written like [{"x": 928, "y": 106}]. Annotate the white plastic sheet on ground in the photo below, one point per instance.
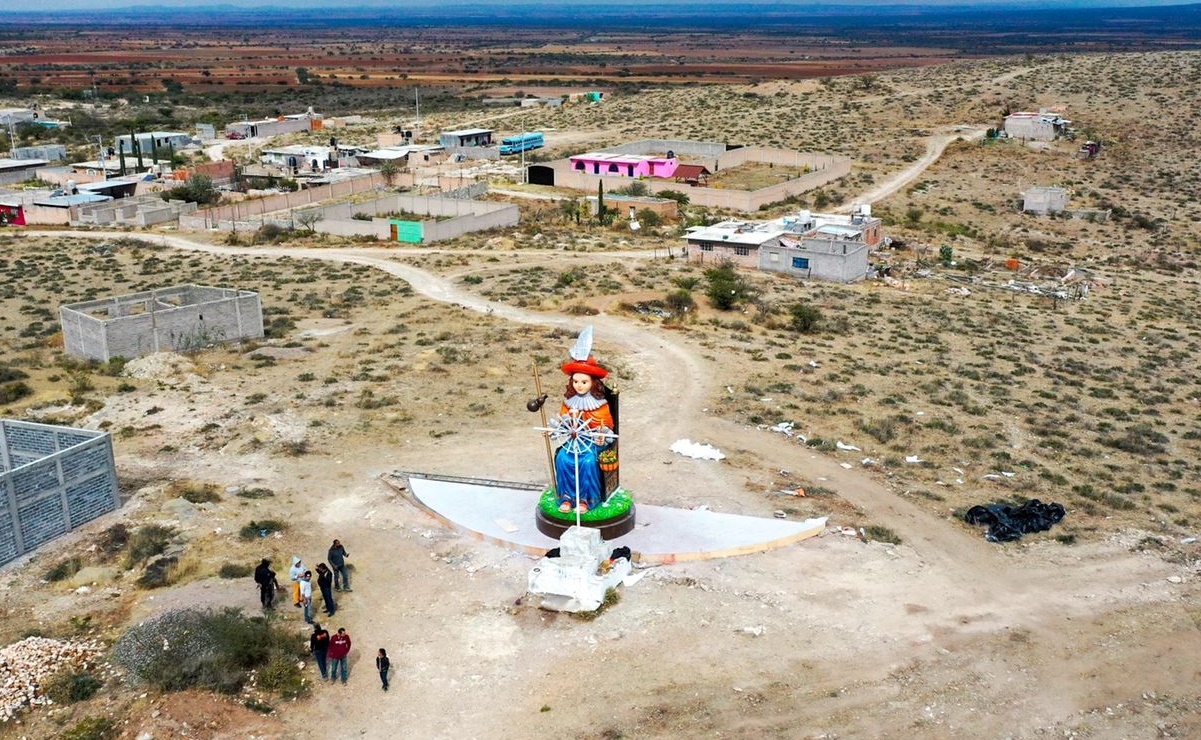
[{"x": 696, "y": 450}]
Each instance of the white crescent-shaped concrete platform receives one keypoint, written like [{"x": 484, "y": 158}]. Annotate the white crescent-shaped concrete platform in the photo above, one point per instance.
[{"x": 504, "y": 514}]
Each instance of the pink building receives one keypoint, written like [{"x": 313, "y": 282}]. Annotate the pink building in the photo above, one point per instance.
[{"x": 624, "y": 165}]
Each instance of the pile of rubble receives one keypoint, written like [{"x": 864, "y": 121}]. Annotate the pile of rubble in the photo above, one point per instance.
[
  {"x": 26, "y": 665},
  {"x": 159, "y": 366}
]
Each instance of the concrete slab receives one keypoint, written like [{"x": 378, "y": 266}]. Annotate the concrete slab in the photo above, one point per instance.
[{"x": 504, "y": 515}]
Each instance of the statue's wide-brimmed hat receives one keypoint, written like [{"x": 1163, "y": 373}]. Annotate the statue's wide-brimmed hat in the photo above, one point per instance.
[{"x": 588, "y": 367}]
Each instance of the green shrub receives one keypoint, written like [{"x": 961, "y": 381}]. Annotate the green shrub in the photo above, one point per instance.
[
  {"x": 282, "y": 676},
  {"x": 8, "y": 374},
  {"x": 196, "y": 493},
  {"x": 63, "y": 570},
  {"x": 881, "y": 430},
  {"x": 1140, "y": 439},
  {"x": 679, "y": 301},
  {"x": 162, "y": 572},
  {"x": 649, "y": 218},
  {"x": 147, "y": 542},
  {"x": 70, "y": 686},
  {"x": 235, "y": 570},
  {"x": 726, "y": 287},
  {"x": 263, "y": 528},
  {"x": 880, "y": 533},
  {"x": 256, "y": 493},
  {"x": 804, "y": 318},
  {"x": 10, "y": 392},
  {"x": 215, "y": 650},
  {"x": 91, "y": 728},
  {"x": 113, "y": 540}
]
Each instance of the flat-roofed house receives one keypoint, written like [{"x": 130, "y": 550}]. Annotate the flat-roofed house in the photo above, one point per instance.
[
  {"x": 819, "y": 246},
  {"x": 467, "y": 137},
  {"x": 614, "y": 164}
]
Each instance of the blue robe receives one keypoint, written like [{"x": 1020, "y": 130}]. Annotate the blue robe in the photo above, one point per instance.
[{"x": 592, "y": 482}]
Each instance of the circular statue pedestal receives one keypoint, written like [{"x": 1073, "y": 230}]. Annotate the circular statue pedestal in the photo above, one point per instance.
[{"x": 610, "y": 529}]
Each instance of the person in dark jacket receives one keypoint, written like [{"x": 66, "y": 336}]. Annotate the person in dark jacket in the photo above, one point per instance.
[
  {"x": 268, "y": 585},
  {"x": 382, "y": 664},
  {"x": 319, "y": 647},
  {"x": 325, "y": 581},
  {"x": 337, "y": 560}
]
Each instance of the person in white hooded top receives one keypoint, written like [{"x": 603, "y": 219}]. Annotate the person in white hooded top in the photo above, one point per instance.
[{"x": 295, "y": 573}]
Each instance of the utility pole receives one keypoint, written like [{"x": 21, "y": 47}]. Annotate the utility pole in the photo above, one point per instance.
[
  {"x": 103, "y": 167},
  {"x": 523, "y": 177}
]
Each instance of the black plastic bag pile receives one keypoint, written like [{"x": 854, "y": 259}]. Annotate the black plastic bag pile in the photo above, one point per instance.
[{"x": 1009, "y": 523}]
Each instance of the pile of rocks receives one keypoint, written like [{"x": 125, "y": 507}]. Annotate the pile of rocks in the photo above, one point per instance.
[
  {"x": 25, "y": 666},
  {"x": 180, "y": 637}
]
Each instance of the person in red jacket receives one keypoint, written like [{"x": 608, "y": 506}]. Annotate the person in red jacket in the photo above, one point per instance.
[{"x": 339, "y": 649}]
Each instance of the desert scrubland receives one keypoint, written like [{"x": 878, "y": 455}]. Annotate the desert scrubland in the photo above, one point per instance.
[{"x": 954, "y": 389}]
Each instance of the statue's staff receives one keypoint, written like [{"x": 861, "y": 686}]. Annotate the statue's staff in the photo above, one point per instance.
[{"x": 539, "y": 404}]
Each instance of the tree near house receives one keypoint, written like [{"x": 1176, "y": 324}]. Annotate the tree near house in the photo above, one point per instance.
[
  {"x": 308, "y": 219},
  {"x": 198, "y": 189},
  {"x": 676, "y": 195},
  {"x": 604, "y": 214},
  {"x": 570, "y": 209},
  {"x": 388, "y": 170},
  {"x": 649, "y": 218},
  {"x": 635, "y": 188}
]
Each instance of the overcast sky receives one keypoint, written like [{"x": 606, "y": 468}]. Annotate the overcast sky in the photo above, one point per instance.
[{"x": 59, "y": 5}]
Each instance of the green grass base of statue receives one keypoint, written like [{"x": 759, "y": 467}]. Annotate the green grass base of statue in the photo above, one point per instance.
[{"x": 617, "y": 505}]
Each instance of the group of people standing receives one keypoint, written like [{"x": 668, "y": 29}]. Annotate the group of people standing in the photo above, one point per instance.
[
  {"x": 330, "y": 578},
  {"x": 330, "y": 652}
]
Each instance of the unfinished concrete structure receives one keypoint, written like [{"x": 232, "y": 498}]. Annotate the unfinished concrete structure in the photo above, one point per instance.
[
  {"x": 180, "y": 318},
  {"x": 52, "y": 480},
  {"x": 1045, "y": 200}
]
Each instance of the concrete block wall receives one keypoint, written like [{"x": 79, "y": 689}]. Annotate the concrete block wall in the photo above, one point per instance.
[
  {"x": 198, "y": 317},
  {"x": 498, "y": 218},
  {"x": 829, "y": 259},
  {"x": 52, "y": 480},
  {"x": 467, "y": 215},
  {"x": 682, "y": 148}
]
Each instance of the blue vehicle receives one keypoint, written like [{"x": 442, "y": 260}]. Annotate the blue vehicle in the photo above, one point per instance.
[{"x": 522, "y": 143}]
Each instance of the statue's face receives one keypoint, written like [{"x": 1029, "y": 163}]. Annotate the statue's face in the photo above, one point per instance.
[{"x": 582, "y": 383}]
